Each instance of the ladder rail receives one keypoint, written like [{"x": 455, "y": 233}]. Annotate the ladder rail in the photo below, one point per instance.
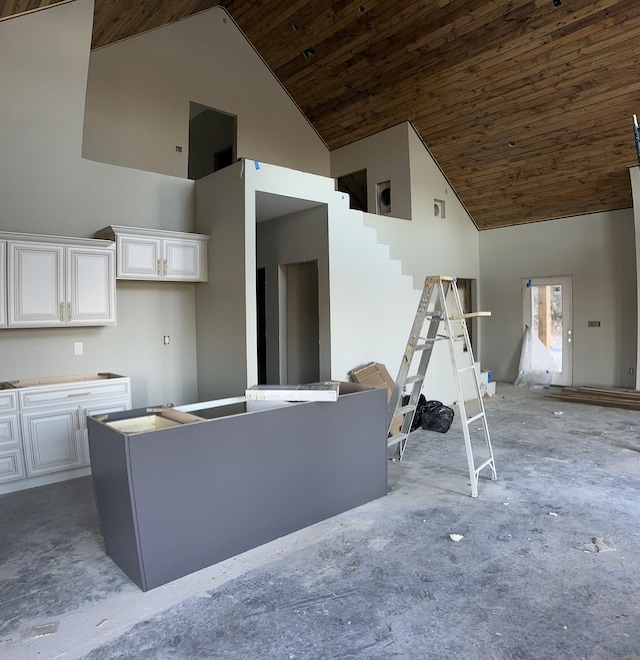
[
  {"x": 433, "y": 309},
  {"x": 473, "y": 471},
  {"x": 416, "y": 344}
]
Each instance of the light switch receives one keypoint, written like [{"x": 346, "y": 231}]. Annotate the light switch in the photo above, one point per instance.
[{"x": 77, "y": 348}]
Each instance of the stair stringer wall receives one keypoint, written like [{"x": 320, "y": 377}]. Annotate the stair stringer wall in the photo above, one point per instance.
[
  {"x": 430, "y": 245},
  {"x": 372, "y": 302}
]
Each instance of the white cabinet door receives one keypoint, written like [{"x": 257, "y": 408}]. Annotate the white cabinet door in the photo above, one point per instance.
[
  {"x": 183, "y": 259},
  {"x": 90, "y": 286},
  {"x": 35, "y": 284},
  {"x": 98, "y": 408},
  {"x": 3, "y": 284},
  {"x": 11, "y": 459},
  {"x": 139, "y": 257},
  {"x": 52, "y": 440},
  {"x": 56, "y": 285}
]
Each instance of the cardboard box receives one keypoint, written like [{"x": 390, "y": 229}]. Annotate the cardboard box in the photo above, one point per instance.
[{"x": 376, "y": 375}]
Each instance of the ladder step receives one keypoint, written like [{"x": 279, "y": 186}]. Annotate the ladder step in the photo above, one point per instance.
[
  {"x": 404, "y": 410},
  {"x": 418, "y": 378},
  {"x": 463, "y": 369},
  {"x": 423, "y": 347},
  {"x": 482, "y": 466},
  {"x": 470, "y": 420},
  {"x": 395, "y": 439}
]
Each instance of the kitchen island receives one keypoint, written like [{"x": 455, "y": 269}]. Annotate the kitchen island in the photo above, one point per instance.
[{"x": 179, "y": 489}]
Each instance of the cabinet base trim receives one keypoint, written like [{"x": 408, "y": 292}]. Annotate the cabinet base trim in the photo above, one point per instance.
[{"x": 44, "y": 480}]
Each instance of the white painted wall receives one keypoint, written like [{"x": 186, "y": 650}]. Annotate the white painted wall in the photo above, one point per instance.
[
  {"x": 47, "y": 188},
  {"x": 372, "y": 303},
  {"x": 429, "y": 245},
  {"x": 598, "y": 251},
  {"x": 139, "y": 90},
  {"x": 385, "y": 156}
]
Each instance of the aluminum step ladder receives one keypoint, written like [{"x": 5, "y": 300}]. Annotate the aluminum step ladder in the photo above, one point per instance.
[{"x": 440, "y": 293}]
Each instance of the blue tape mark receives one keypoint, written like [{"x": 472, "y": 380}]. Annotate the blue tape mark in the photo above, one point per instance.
[
  {"x": 528, "y": 284},
  {"x": 257, "y": 164}
]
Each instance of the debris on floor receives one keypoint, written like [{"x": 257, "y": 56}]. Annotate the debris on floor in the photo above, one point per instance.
[
  {"x": 456, "y": 537},
  {"x": 558, "y": 413},
  {"x": 553, "y": 513},
  {"x": 599, "y": 544},
  {"x": 42, "y": 630}
]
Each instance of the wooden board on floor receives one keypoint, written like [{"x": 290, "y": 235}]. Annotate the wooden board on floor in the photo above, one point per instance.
[{"x": 614, "y": 397}]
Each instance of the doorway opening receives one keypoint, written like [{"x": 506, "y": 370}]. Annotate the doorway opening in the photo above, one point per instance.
[
  {"x": 354, "y": 184},
  {"x": 261, "y": 301},
  {"x": 467, "y": 290},
  {"x": 212, "y": 140},
  {"x": 547, "y": 310},
  {"x": 299, "y": 324}
]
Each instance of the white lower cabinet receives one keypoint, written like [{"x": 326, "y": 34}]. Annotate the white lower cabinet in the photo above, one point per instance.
[
  {"x": 43, "y": 425},
  {"x": 52, "y": 440},
  {"x": 11, "y": 455},
  {"x": 3, "y": 284}
]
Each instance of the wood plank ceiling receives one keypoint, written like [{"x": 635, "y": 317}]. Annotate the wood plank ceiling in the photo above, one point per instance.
[{"x": 526, "y": 106}]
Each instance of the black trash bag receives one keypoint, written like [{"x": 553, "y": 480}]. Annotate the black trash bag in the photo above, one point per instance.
[
  {"x": 436, "y": 417},
  {"x": 417, "y": 417}
]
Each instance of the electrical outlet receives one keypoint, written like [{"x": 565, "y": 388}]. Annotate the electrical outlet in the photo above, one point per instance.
[
  {"x": 167, "y": 340},
  {"x": 77, "y": 348}
]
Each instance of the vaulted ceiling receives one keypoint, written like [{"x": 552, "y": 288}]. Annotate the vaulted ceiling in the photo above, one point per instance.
[{"x": 526, "y": 105}]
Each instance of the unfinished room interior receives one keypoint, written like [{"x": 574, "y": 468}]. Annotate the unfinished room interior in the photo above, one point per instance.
[{"x": 220, "y": 225}]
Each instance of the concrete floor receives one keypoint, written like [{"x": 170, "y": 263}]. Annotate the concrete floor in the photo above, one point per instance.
[{"x": 382, "y": 581}]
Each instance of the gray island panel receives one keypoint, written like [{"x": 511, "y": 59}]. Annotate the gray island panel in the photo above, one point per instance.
[{"x": 208, "y": 490}]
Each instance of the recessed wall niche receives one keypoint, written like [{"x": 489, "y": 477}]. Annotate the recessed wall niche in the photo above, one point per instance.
[{"x": 383, "y": 197}]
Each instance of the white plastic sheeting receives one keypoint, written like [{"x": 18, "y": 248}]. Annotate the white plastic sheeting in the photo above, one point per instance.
[{"x": 537, "y": 364}]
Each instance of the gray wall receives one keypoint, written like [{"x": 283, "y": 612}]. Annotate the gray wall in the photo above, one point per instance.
[
  {"x": 385, "y": 156},
  {"x": 294, "y": 238},
  {"x": 598, "y": 251},
  {"x": 47, "y": 188},
  {"x": 221, "y": 303},
  {"x": 139, "y": 91}
]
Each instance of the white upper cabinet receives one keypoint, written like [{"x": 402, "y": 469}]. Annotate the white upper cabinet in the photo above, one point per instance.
[
  {"x": 3, "y": 284},
  {"x": 36, "y": 286},
  {"x": 55, "y": 284},
  {"x": 138, "y": 258},
  {"x": 150, "y": 254},
  {"x": 90, "y": 286}
]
